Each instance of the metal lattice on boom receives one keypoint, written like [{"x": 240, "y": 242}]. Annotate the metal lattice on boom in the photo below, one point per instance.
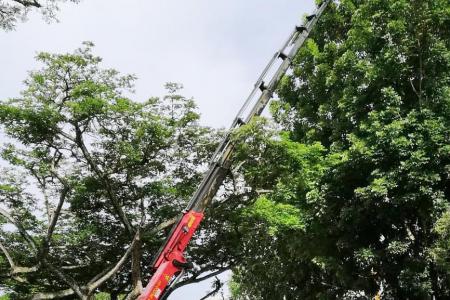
[{"x": 170, "y": 262}]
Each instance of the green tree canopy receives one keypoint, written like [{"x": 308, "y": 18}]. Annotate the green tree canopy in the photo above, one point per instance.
[
  {"x": 93, "y": 180},
  {"x": 359, "y": 176}
]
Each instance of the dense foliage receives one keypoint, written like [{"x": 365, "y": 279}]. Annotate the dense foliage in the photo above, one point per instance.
[
  {"x": 92, "y": 179},
  {"x": 358, "y": 181}
]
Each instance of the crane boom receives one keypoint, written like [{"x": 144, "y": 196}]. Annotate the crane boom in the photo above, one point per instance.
[{"x": 170, "y": 262}]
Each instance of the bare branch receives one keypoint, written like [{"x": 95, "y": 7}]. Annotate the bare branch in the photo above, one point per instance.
[
  {"x": 263, "y": 191},
  {"x": 61, "y": 179},
  {"x": 105, "y": 180},
  {"x": 238, "y": 167},
  {"x": 136, "y": 255},
  {"x": 67, "y": 136},
  {"x": 47, "y": 204},
  {"x": 136, "y": 272},
  {"x": 196, "y": 280},
  {"x": 99, "y": 275},
  {"x": 73, "y": 267},
  {"x": 161, "y": 226},
  {"x": 8, "y": 257},
  {"x": 92, "y": 285},
  {"x": 414, "y": 88},
  {"x": 217, "y": 286},
  {"x": 65, "y": 278},
  {"x": 21, "y": 270},
  {"x": 53, "y": 295},
  {"x": 21, "y": 229},
  {"x": 199, "y": 279},
  {"x": 70, "y": 281},
  {"x": 15, "y": 269},
  {"x": 55, "y": 215},
  {"x": 29, "y": 3}
]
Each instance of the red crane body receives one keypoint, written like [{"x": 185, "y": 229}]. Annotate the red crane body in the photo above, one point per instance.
[{"x": 172, "y": 260}]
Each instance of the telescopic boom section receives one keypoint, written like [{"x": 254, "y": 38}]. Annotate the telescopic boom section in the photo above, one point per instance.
[{"x": 170, "y": 262}]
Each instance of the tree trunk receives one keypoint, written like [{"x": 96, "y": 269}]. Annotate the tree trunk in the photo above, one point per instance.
[{"x": 136, "y": 275}]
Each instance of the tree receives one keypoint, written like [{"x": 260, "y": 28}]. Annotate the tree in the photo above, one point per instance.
[
  {"x": 441, "y": 248},
  {"x": 13, "y": 11},
  {"x": 94, "y": 180},
  {"x": 358, "y": 178}
]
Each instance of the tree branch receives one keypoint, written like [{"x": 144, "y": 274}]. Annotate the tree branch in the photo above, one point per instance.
[
  {"x": 70, "y": 281},
  {"x": 53, "y": 295},
  {"x": 14, "y": 269},
  {"x": 218, "y": 285},
  {"x": 195, "y": 279},
  {"x": 160, "y": 227},
  {"x": 21, "y": 270},
  {"x": 67, "y": 136},
  {"x": 19, "y": 227},
  {"x": 8, "y": 257},
  {"x": 105, "y": 180},
  {"x": 199, "y": 279},
  {"x": 55, "y": 217},
  {"x": 67, "y": 279},
  {"x": 29, "y": 3},
  {"x": 92, "y": 285}
]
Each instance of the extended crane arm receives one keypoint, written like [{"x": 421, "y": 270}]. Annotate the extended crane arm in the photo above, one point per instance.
[{"x": 170, "y": 262}]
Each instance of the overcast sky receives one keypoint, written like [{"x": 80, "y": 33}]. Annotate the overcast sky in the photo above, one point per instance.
[{"x": 215, "y": 48}]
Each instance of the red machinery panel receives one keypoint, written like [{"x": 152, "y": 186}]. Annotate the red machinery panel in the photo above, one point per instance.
[{"x": 170, "y": 261}]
